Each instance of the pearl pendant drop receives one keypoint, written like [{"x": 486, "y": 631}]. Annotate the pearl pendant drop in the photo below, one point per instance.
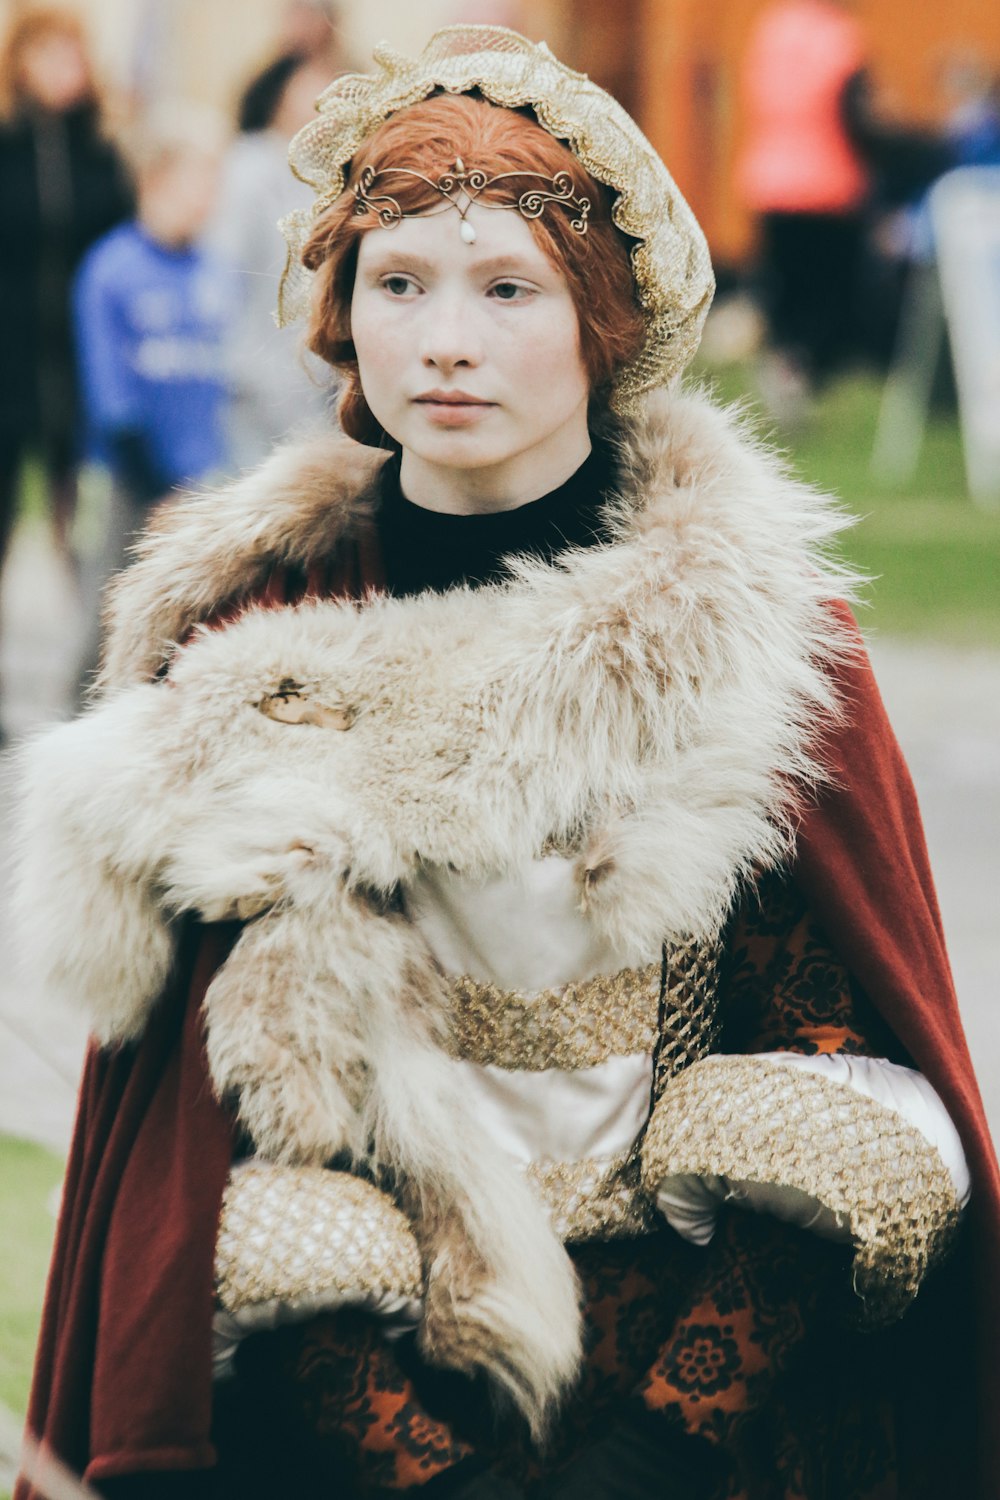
[{"x": 468, "y": 232}]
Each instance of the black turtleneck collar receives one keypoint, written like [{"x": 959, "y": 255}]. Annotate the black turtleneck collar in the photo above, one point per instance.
[{"x": 429, "y": 549}]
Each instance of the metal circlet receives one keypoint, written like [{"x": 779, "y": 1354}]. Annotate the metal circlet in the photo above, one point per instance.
[{"x": 461, "y": 189}]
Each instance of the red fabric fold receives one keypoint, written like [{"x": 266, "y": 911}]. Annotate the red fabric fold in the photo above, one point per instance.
[
  {"x": 123, "y": 1374},
  {"x": 862, "y": 860}
]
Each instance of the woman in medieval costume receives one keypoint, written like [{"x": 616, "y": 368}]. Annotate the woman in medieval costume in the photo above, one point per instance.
[{"x": 670, "y": 896}]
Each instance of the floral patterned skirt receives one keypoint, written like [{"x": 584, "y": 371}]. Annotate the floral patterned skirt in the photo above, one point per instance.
[{"x": 746, "y": 1344}]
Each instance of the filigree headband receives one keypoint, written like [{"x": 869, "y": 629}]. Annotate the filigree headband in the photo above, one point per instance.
[{"x": 461, "y": 189}]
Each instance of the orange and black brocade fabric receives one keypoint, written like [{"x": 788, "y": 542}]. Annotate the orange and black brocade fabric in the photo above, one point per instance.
[
  {"x": 786, "y": 989},
  {"x": 746, "y": 1343},
  {"x": 359, "y": 1410},
  {"x": 767, "y": 1318}
]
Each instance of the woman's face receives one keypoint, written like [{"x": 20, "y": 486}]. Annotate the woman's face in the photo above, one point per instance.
[{"x": 469, "y": 357}]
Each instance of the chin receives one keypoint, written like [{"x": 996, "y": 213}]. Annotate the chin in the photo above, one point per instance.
[{"x": 461, "y": 450}]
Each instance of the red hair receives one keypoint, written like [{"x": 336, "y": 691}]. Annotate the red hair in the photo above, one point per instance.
[{"x": 427, "y": 138}]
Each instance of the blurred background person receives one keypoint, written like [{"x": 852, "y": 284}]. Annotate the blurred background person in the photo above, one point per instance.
[
  {"x": 904, "y": 160},
  {"x": 971, "y": 91},
  {"x": 151, "y": 312},
  {"x": 152, "y": 307},
  {"x": 62, "y": 186},
  {"x": 274, "y": 385},
  {"x": 970, "y": 96},
  {"x": 804, "y": 177},
  {"x": 309, "y": 28},
  {"x": 831, "y": 172}
]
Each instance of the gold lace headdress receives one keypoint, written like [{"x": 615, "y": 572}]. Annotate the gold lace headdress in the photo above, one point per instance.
[{"x": 670, "y": 260}]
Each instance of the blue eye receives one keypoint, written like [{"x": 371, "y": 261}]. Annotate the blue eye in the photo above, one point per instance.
[{"x": 397, "y": 286}]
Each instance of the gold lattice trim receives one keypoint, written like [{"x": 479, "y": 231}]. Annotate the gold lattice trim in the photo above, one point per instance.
[
  {"x": 600, "y": 1198},
  {"x": 670, "y": 260},
  {"x": 585, "y": 1024},
  {"x": 614, "y": 1015},
  {"x": 298, "y": 1233},
  {"x": 750, "y": 1120},
  {"x": 689, "y": 1021},
  {"x": 292, "y": 1233},
  {"x": 667, "y": 1010}
]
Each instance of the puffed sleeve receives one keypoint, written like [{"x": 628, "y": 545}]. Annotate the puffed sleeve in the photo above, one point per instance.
[{"x": 811, "y": 1113}]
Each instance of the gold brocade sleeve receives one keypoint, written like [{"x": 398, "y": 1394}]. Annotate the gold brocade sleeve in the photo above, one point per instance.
[
  {"x": 758, "y": 1123},
  {"x": 311, "y": 1238},
  {"x": 788, "y": 1141}
]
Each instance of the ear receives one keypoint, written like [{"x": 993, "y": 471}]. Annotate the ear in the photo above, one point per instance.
[{"x": 291, "y": 704}]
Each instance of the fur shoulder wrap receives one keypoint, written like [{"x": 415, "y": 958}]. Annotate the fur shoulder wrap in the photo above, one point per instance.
[{"x": 653, "y": 705}]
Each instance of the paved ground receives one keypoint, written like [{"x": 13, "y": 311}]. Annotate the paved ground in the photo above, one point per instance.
[{"x": 945, "y": 706}]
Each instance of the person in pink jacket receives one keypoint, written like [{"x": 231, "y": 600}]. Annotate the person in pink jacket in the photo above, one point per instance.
[{"x": 803, "y": 175}]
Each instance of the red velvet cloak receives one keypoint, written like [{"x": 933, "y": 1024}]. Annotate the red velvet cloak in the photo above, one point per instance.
[{"x": 123, "y": 1375}]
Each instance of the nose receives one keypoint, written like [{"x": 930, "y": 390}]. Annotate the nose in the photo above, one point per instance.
[{"x": 451, "y": 340}]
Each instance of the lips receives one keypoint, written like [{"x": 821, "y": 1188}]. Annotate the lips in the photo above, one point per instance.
[
  {"x": 453, "y": 409},
  {"x": 450, "y": 398}
]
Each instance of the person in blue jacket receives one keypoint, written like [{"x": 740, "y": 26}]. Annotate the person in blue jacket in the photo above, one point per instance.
[{"x": 151, "y": 312}]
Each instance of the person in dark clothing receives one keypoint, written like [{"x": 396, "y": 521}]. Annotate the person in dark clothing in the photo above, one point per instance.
[{"x": 62, "y": 186}]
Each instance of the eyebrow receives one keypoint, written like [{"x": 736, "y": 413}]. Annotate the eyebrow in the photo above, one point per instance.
[{"x": 385, "y": 254}]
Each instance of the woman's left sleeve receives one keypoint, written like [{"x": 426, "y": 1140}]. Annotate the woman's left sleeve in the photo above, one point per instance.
[
  {"x": 810, "y": 1114},
  {"x": 811, "y": 1119}
]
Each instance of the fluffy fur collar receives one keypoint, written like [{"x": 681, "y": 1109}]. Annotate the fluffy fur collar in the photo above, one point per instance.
[
  {"x": 685, "y": 460},
  {"x": 652, "y": 705},
  {"x": 218, "y": 547}
]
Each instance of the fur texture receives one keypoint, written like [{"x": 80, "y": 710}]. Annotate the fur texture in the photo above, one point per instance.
[
  {"x": 217, "y": 548},
  {"x": 653, "y": 703}
]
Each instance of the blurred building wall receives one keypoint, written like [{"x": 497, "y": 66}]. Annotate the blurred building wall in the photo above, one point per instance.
[{"x": 206, "y": 49}]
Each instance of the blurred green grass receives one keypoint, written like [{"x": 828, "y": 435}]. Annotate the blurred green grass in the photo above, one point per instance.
[
  {"x": 31, "y": 495},
  {"x": 29, "y": 1176},
  {"x": 933, "y": 556}
]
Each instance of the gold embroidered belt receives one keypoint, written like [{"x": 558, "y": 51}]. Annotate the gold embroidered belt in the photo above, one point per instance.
[{"x": 665, "y": 1010}]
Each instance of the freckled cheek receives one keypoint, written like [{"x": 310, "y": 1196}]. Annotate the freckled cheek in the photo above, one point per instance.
[
  {"x": 381, "y": 352},
  {"x": 549, "y": 359}
]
